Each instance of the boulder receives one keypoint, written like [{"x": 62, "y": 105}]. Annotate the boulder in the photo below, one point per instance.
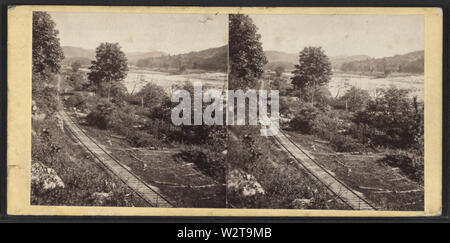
[
  {"x": 38, "y": 116},
  {"x": 45, "y": 177},
  {"x": 243, "y": 182},
  {"x": 100, "y": 198},
  {"x": 59, "y": 122},
  {"x": 301, "y": 203}
]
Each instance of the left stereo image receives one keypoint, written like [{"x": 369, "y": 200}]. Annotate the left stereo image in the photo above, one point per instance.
[{"x": 101, "y": 109}]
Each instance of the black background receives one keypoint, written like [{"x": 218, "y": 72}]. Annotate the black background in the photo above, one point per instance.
[{"x": 278, "y": 230}]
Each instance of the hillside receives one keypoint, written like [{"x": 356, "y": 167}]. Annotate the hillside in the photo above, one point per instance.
[
  {"x": 288, "y": 60},
  {"x": 337, "y": 61},
  {"x": 213, "y": 59},
  {"x": 133, "y": 57},
  {"x": 280, "y": 59},
  {"x": 412, "y": 62},
  {"x": 78, "y": 52},
  {"x": 84, "y": 56}
]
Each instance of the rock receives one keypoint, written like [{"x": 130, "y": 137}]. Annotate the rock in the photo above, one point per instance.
[
  {"x": 33, "y": 107},
  {"x": 301, "y": 203},
  {"x": 60, "y": 122},
  {"x": 38, "y": 116},
  {"x": 45, "y": 177},
  {"x": 100, "y": 198},
  {"x": 245, "y": 183}
]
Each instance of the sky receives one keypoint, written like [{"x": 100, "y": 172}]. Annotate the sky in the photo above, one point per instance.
[
  {"x": 342, "y": 35},
  {"x": 138, "y": 32}
]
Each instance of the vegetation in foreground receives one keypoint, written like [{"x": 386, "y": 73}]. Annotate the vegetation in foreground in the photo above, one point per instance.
[
  {"x": 62, "y": 173},
  {"x": 259, "y": 174},
  {"x": 140, "y": 120},
  {"x": 388, "y": 127}
]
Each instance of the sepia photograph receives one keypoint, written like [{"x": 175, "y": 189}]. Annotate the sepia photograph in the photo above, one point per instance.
[
  {"x": 351, "y": 112},
  {"x": 194, "y": 111},
  {"x": 101, "y": 117}
]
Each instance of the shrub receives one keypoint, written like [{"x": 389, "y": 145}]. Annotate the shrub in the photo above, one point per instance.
[
  {"x": 290, "y": 105},
  {"x": 279, "y": 71},
  {"x": 154, "y": 98},
  {"x": 76, "y": 101},
  {"x": 44, "y": 92},
  {"x": 304, "y": 121},
  {"x": 75, "y": 66},
  {"x": 207, "y": 161},
  {"x": 412, "y": 164},
  {"x": 322, "y": 98},
  {"x": 396, "y": 119},
  {"x": 102, "y": 115},
  {"x": 342, "y": 143},
  {"x": 141, "y": 139},
  {"x": 281, "y": 84},
  {"x": 326, "y": 125},
  {"x": 77, "y": 81},
  {"x": 354, "y": 99}
]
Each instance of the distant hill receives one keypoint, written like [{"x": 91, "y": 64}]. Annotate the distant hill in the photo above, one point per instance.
[
  {"x": 214, "y": 59},
  {"x": 412, "y": 62},
  {"x": 72, "y": 51},
  {"x": 279, "y": 56},
  {"x": 280, "y": 59},
  {"x": 84, "y": 56},
  {"x": 289, "y": 60},
  {"x": 337, "y": 61},
  {"x": 133, "y": 57}
]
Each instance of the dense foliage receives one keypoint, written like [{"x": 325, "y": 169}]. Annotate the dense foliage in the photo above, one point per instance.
[
  {"x": 313, "y": 71},
  {"x": 47, "y": 53},
  {"x": 354, "y": 99},
  {"x": 395, "y": 119},
  {"x": 75, "y": 66},
  {"x": 411, "y": 63},
  {"x": 246, "y": 55},
  {"x": 213, "y": 59}
]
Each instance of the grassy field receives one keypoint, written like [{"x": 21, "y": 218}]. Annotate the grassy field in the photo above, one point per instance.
[
  {"x": 282, "y": 180},
  {"x": 179, "y": 180},
  {"x": 384, "y": 186}
]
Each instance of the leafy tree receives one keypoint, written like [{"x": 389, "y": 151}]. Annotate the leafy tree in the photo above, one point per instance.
[
  {"x": 322, "y": 97},
  {"x": 75, "y": 66},
  {"x": 280, "y": 84},
  {"x": 397, "y": 119},
  {"x": 109, "y": 68},
  {"x": 153, "y": 97},
  {"x": 77, "y": 81},
  {"x": 354, "y": 99},
  {"x": 279, "y": 71},
  {"x": 313, "y": 70},
  {"x": 246, "y": 55},
  {"x": 304, "y": 121},
  {"x": 47, "y": 52}
]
